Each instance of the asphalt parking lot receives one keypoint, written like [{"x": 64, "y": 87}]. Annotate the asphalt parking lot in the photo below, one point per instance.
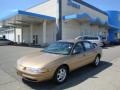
[{"x": 104, "y": 77}]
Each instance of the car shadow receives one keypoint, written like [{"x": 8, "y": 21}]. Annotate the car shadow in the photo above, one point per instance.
[{"x": 76, "y": 77}]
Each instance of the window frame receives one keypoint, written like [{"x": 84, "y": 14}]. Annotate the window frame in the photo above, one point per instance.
[{"x": 74, "y": 48}]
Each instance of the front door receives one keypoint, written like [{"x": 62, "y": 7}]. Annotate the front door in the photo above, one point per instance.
[{"x": 77, "y": 58}]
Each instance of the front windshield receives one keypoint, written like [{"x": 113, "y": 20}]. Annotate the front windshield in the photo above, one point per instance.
[{"x": 59, "y": 48}]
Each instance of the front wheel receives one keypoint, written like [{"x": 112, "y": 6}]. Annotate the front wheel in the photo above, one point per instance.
[
  {"x": 96, "y": 61},
  {"x": 61, "y": 75}
]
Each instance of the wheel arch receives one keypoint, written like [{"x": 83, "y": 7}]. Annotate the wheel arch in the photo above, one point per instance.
[
  {"x": 98, "y": 55},
  {"x": 65, "y": 65}
]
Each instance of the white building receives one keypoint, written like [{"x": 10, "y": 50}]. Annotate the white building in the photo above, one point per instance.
[{"x": 54, "y": 20}]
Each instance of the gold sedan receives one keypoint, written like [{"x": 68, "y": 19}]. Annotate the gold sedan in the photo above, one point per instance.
[{"x": 57, "y": 60}]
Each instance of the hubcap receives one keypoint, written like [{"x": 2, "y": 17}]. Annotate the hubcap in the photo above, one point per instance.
[
  {"x": 97, "y": 61},
  {"x": 61, "y": 75}
]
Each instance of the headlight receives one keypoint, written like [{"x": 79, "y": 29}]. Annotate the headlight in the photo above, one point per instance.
[{"x": 35, "y": 70}]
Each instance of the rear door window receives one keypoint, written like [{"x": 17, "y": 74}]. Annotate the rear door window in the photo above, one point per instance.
[{"x": 88, "y": 46}]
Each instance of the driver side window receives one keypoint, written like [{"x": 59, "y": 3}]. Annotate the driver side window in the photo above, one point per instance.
[{"x": 78, "y": 49}]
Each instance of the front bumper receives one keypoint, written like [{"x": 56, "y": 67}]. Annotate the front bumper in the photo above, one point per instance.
[{"x": 35, "y": 77}]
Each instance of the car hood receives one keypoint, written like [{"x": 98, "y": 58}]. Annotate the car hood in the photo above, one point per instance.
[{"x": 38, "y": 59}]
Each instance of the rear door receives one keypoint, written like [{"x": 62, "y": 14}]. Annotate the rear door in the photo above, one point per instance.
[{"x": 90, "y": 51}]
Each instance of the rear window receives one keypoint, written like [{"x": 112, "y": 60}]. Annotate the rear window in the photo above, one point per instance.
[
  {"x": 1, "y": 39},
  {"x": 90, "y": 38}
]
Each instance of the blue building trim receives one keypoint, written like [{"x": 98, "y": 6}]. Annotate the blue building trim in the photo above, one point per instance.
[
  {"x": 20, "y": 12},
  {"x": 76, "y": 16},
  {"x": 36, "y": 15},
  {"x": 84, "y": 15}
]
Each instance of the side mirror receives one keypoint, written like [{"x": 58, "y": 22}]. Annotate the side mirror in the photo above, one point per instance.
[{"x": 75, "y": 52}]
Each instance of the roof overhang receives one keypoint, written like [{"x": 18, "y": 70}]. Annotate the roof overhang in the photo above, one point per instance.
[
  {"x": 82, "y": 17},
  {"x": 23, "y": 18}
]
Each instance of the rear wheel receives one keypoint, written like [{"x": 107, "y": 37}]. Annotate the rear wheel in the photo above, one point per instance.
[
  {"x": 61, "y": 74},
  {"x": 96, "y": 61}
]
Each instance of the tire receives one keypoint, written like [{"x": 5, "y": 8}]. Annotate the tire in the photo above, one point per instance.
[
  {"x": 96, "y": 61},
  {"x": 61, "y": 75}
]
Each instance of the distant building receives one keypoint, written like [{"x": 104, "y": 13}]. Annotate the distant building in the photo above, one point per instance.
[
  {"x": 54, "y": 20},
  {"x": 114, "y": 22}
]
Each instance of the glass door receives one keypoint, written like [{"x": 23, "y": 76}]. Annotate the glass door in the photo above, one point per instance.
[{"x": 35, "y": 39}]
